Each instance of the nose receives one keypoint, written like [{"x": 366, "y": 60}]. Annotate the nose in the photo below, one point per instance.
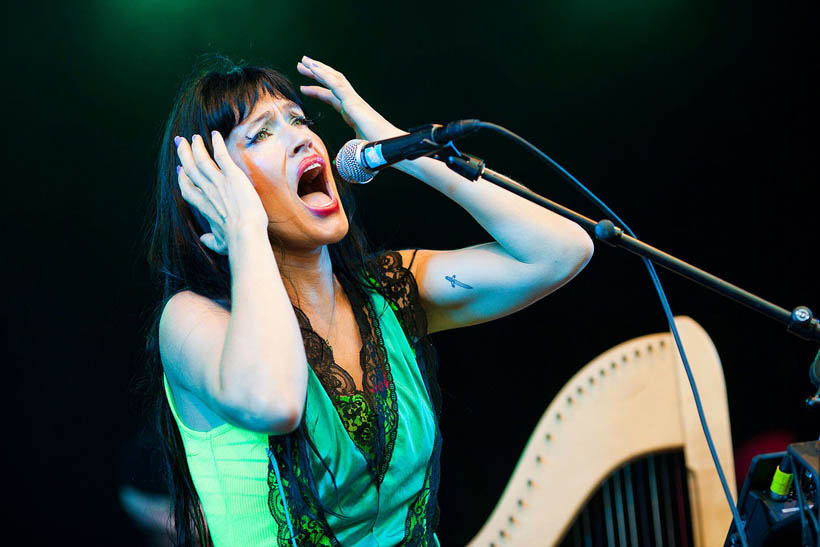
[{"x": 301, "y": 142}]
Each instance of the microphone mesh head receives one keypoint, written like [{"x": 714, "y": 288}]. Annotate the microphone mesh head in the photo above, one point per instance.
[{"x": 348, "y": 165}]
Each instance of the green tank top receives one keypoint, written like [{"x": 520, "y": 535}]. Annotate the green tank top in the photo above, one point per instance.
[{"x": 229, "y": 465}]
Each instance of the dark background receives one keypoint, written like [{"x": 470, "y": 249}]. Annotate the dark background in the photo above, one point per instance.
[{"x": 695, "y": 121}]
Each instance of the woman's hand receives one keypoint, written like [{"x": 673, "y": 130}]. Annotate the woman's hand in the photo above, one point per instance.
[
  {"x": 338, "y": 93},
  {"x": 220, "y": 191}
]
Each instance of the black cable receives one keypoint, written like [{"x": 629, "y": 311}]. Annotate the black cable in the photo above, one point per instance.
[
  {"x": 664, "y": 302},
  {"x": 803, "y": 508}
]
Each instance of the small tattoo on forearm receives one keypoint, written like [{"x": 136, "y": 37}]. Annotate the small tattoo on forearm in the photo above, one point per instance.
[{"x": 453, "y": 282}]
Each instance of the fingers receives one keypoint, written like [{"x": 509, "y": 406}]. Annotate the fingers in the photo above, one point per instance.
[
  {"x": 203, "y": 160},
  {"x": 304, "y": 70},
  {"x": 214, "y": 243},
  {"x": 219, "y": 191},
  {"x": 314, "y": 65},
  {"x": 201, "y": 170},
  {"x": 338, "y": 93},
  {"x": 323, "y": 94},
  {"x": 196, "y": 197},
  {"x": 221, "y": 155},
  {"x": 325, "y": 75},
  {"x": 196, "y": 161},
  {"x": 186, "y": 158}
]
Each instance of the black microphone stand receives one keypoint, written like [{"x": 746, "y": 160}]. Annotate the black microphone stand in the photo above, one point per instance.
[{"x": 799, "y": 321}]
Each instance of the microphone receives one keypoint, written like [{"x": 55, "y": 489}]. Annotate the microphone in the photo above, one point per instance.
[{"x": 359, "y": 160}]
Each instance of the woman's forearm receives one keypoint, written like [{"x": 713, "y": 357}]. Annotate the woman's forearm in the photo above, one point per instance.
[
  {"x": 528, "y": 232},
  {"x": 263, "y": 359}
]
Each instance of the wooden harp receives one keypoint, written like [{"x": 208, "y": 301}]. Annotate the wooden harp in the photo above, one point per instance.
[{"x": 630, "y": 403}]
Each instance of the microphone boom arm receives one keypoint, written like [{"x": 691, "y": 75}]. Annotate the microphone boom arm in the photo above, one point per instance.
[{"x": 800, "y": 321}]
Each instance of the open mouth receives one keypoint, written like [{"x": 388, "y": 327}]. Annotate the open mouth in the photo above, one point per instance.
[{"x": 313, "y": 188}]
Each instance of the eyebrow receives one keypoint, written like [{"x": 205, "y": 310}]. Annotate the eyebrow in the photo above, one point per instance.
[{"x": 268, "y": 114}]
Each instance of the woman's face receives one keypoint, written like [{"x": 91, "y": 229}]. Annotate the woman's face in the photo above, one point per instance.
[{"x": 290, "y": 169}]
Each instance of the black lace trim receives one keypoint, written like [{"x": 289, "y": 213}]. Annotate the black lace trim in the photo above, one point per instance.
[
  {"x": 310, "y": 527},
  {"x": 360, "y": 422},
  {"x": 398, "y": 286},
  {"x": 401, "y": 292},
  {"x": 377, "y": 382},
  {"x": 379, "y": 379},
  {"x": 334, "y": 378},
  {"x": 422, "y": 516}
]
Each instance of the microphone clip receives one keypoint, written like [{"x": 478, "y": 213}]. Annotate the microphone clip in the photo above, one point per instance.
[{"x": 468, "y": 166}]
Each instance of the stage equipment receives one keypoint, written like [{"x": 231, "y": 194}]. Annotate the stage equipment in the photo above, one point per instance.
[
  {"x": 778, "y": 501},
  {"x": 800, "y": 321},
  {"x": 359, "y": 160},
  {"x": 598, "y": 469}
]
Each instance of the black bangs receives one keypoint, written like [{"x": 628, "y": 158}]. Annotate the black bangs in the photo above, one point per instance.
[
  {"x": 218, "y": 96},
  {"x": 228, "y": 97}
]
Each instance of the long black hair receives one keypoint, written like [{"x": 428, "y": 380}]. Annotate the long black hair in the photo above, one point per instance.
[{"x": 218, "y": 96}]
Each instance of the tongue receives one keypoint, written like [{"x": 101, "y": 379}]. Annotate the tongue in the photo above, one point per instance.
[{"x": 316, "y": 199}]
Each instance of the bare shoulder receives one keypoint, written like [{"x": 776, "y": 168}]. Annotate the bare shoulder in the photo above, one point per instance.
[
  {"x": 242, "y": 386},
  {"x": 191, "y": 330},
  {"x": 409, "y": 257}
]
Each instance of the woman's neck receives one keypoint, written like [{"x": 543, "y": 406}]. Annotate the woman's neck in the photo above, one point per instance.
[{"x": 308, "y": 280}]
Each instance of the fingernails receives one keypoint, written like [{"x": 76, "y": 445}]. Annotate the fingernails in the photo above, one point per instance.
[
  {"x": 176, "y": 140},
  {"x": 178, "y": 168},
  {"x": 213, "y": 133},
  {"x": 195, "y": 137}
]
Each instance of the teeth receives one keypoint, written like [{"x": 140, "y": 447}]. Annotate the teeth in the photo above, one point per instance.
[{"x": 308, "y": 182}]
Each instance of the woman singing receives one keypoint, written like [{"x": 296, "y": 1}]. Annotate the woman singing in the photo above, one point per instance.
[{"x": 296, "y": 382}]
